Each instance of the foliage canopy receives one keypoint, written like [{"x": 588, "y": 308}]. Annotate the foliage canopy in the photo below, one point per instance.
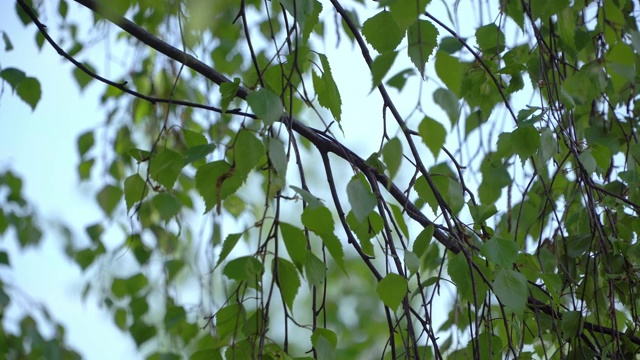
[{"x": 497, "y": 215}]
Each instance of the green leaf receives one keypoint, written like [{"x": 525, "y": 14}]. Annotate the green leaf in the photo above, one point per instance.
[
  {"x": 450, "y": 45},
  {"x": 382, "y": 32},
  {"x": 327, "y": 90},
  {"x": 299, "y": 9},
  {"x": 165, "y": 167},
  {"x": 449, "y": 70},
  {"x": 8, "y": 46},
  {"x": 449, "y": 189},
  {"x": 525, "y": 141},
  {"x": 141, "y": 332},
  {"x": 134, "y": 190},
  {"x": 228, "y": 319},
  {"x": 288, "y": 281},
  {"x": 296, "y": 243},
  {"x": 471, "y": 288},
  {"x": 228, "y": 91},
  {"x": 266, "y": 105},
  {"x": 398, "y": 215},
  {"x": 215, "y": 181},
  {"x": 480, "y": 213},
  {"x": 407, "y": 12},
  {"x": 246, "y": 268},
  {"x": 548, "y": 145},
  {"x": 198, "y": 152},
  {"x": 567, "y": 27},
  {"x": 167, "y": 204},
  {"x": 29, "y": 91},
  {"x": 314, "y": 269},
  {"x": 577, "y": 245},
  {"x": 490, "y": 38},
  {"x": 120, "y": 319},
  {"x": 422, "y": 38},
  {"x": 391, "y": 290},
  {"x": 360, "y": 197},
  {"x": 423, "y": 240},
  {"x": 412, "y": 262},
  {"x": 366, "y": 230},
  {"x": 494, "y": 178},
  {"x": 248, "y": 151},
  {"x": 309, "y": 198},
  {"x": 433, "y": 135},
  {"x": 85, "y": 142},
  {"x": 136, "y": 283},
  {"x": 227, "y": 246},
  {"x": 95, "y": 231},
  {"x": 500, "y": 251},
  {"x": 278, "y": 156},
  {"x": 571, "y": 324},
  {"x": 511, "y": 289},
  {"x": 392, "y": 156},
  {"x": 587, "y": 161},
  {"x": 448, "y": 101},
  {"x": 13, "y": 76},
  {"x": 108, "y": 198},
  {"x": 400, "y": 79},
  {"x": 324, "y": 341},
  {"x": 381, "y": 65},
  {"x": 193, "y": 138},
  {"x": 82, "y": 78},
  {"x": 318, "y": 220},
  {"x": 621, "y": 66}
]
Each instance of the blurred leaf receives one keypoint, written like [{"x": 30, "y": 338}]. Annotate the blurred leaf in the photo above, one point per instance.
[
  {"x": 134, "y": 190},
  {"x": 29, "y": 91},
  {"x": 82, "y": 78},
  {"x": 167, "y": 204},
  {"x": 108, "y": 198}
]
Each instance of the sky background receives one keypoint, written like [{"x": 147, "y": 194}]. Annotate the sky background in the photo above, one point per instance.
[{"x": 40, "y": 147}]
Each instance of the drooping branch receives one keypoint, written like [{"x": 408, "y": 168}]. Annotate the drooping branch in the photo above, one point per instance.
[{"x": 320, "y": 139}]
